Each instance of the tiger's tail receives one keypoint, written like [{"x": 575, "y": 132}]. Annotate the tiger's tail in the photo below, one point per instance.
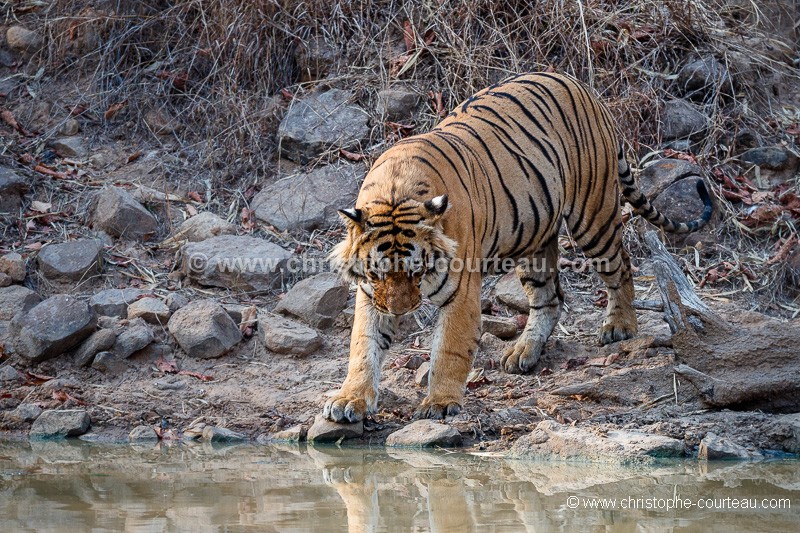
[{"x": 642, "y": 206}]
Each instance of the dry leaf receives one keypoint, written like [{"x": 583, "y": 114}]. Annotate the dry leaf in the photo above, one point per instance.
[
  {"x": 194, "y": 195},
  {"x": 170, "y": 367},
  {"x": 352, "y": 156},
  {"x": 41, "y": 207},
  {"x": 201, "y": 377},
  {"x": 248, "y": 219},
  {"x": 113, "y": 109}
]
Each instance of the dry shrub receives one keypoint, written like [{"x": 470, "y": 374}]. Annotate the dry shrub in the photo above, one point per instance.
[{"x": 213, "y": 66}]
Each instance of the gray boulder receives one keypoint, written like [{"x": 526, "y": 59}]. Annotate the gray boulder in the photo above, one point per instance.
[
  {"x": 152, "y": 310},
  {"x": 203, "y": 329},
  {"x": 776, "y": 164},
  {"x": 12, "y": 188},
  {"x": 70, "y": 261},
  {"x": 293, "y": 434},
  {"x": 680, "y": 201},
  {"x": 320, "y": 122},
  {"x": 683, "y": 121},
  {"x": 323, "y": 430},
  {"x": 16, "y": 299},
  {"x": 26, "y": 412},
  {"x": 549, "y": 439},
  {"x": 118, "y": 213},
  {"x": 114, "y": 302},
  {"x": 309, "y": 200},
  {"x": 60, "y": 424},
  {"x": 204, "y": 226},
  {"x": 72, "y": 146},
  {"x": 282, "y": 335},
  {"x": 509, "y": 291},
  {"x": 424, "y": 433},
  {"x": 109, "y": 363},
  {"x": 317, "y": 300},
  {"x": 397, "y": 104},
  {"x": 142, "y": 434},
  {"x": 23, "y": 40},
  {"x": 715, "y": 447},
  {"x": 9, "y": 373},
  {"x": 502, "y": 327},
  {"x": 244, "y": 263},
  {"x": 217, "y": 434},
  {"x": 656, "y": 177},
  {"x": 99, "y": 341},
  {"x": 703, "y": 78},
  {"x": 52, "y": 327},
  {"x": 133, "y": 338}
]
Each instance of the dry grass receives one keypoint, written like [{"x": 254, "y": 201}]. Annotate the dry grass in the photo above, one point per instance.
[{"x": 214, "y": 69}]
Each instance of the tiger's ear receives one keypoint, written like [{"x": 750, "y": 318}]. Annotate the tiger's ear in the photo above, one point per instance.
[
  {"x": 437, "y": 206},
  {"x": 352, "y": 216}
]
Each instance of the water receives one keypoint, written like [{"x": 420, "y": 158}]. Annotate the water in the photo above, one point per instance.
[{"x": 74, "y": 486}]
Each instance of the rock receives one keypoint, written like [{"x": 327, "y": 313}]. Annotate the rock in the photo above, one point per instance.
[
  {"x": 119, "y": 214},
  {"x": 151, "y": 310},
  {"x": 52, "y": 327},
  {"x": 715, "y": 447},
  {"x": 12, "y": 189},
  {"x": 236, "y": 311},
  {"x": 23, "y": 39},
  {"x": 703, "y": 79},
  {"x": 70, "y": 127},
  {"x": 683, "y": 121},
  {"x": 99, "y": 341},
  {"x": 553, "y": 440},
  {"x": 26, "y": 412},
  {"x": 422, "y": 373},
  {"x": 5, "y": 280},
  {"x": 16, "y": 299},
  {"x": 160, "y": 122},
  {"x": 317, "y": 300},
  {"x": 680, "y": 201},
  {"x": 656, "y": 177},
  {"x": 309, "y": 200},
  {"x": 323, "y": 430},
  {"x": 776, "y": 164},
  {"x": 397, "y": 104},
  {"x": 133, "y": 338},
  {"x": 509, "y": 291},
  {"x": 60, "y": 424},
  {"x": 788, "y": 430},
  {"x": 175, "y": 301},
  {"x": 502, "y": 327},
  {"x": 320, "y": 122},
  {"x": 283, "y": 335},
  {"x": 114, "y": 302},
  {"x": 204, "y": 226},
  {"x": 203, "y": 329},
  {"x": 109, "y": 363},
  {"x": 425, "y": 433},
  {"x": 9, "y": 373},
  {"x": 315, "y": 58},
  {"x": 243, "y": 263},
  {"x": 142, "y": 434},
  {"x": 296, "y": 433},
  {"x": 215, "y": 434},
  {"x": 491, "y": 344},
  {"x": 69, "y": 147},
  {"x": 70, "y": 261},
  {"x": 13, "y": 265}
]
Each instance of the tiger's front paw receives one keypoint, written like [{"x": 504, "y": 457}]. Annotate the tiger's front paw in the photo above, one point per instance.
[
  {"x": 345, "y": 409},
  {"x": 437, "y": 408},
  {"x": 522, "y": 356}
]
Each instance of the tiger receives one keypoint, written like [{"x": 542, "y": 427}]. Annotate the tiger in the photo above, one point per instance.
[{"x": 493, "y": 180}]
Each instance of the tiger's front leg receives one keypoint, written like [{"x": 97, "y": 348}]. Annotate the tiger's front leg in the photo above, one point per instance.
[
  {"x": 372, "y": 334},
  {"x": 455, "y": 341}
]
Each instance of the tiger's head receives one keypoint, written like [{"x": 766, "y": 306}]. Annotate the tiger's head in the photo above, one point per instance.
[{"x": 395, "y": 252}]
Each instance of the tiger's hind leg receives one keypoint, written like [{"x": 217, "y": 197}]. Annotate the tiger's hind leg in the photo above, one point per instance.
[
  {"x": 602, "y": 244},
  {"x": 539, "y": 278}
]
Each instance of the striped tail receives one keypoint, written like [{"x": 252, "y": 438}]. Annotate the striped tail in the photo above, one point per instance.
[{"x": 642, "y": 206}]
